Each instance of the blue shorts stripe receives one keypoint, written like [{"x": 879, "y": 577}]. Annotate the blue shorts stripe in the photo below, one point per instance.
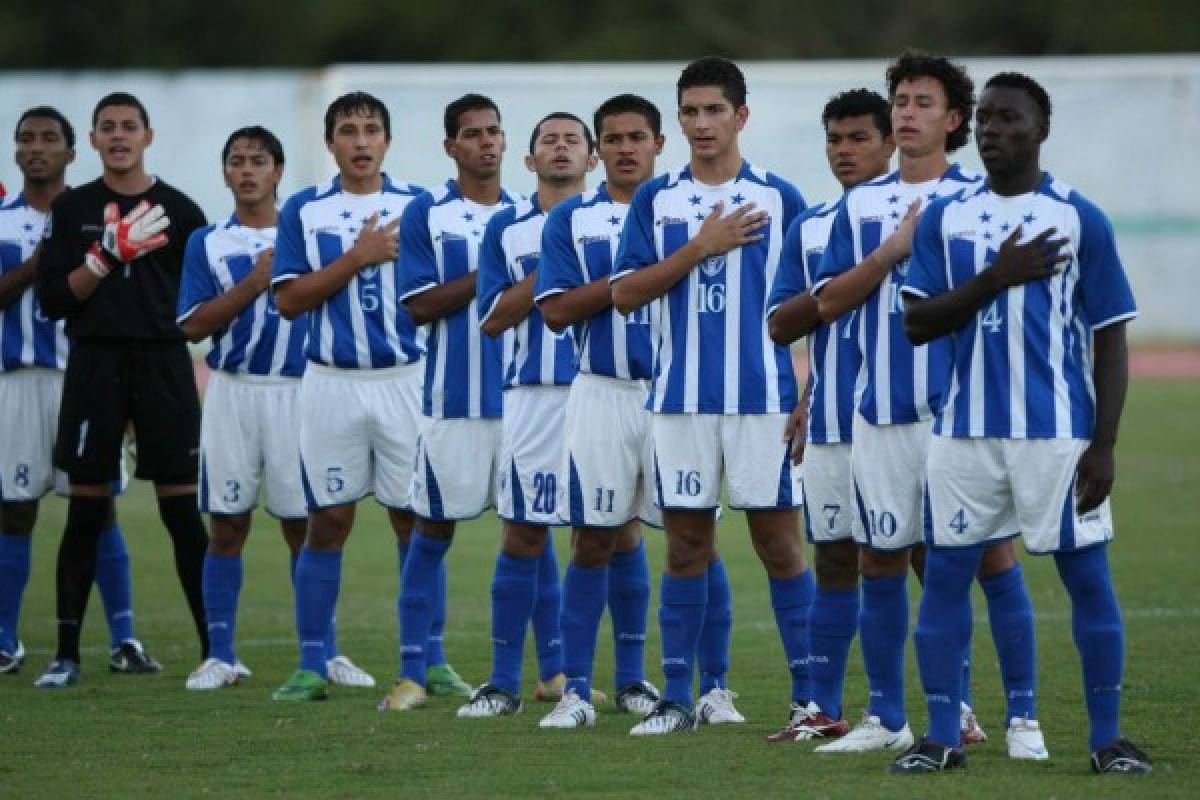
[
  {"x": 436, "y": 508},
  {"x": 862, "y": 514},
  {"x": 309, "y": 499},
  {"x": 518, "y": 494},
  {"x": 783, "y": 498},
  {"x": 575, "y": 496}
]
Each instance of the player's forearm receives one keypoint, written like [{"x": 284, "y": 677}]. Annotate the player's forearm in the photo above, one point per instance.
[
  {"x": 513, "y": 305},
  {"x": 14, "y": 282},
  {"x": 566, "y": 308},
  {"x": 305, "y": 292},
  {"x": 852, "y": 287},
  {"x": 1110, "y": 374},
  {"x": 645, "y": 285},
  {"x": 796, "y": 317},
  {"x": 219, "y": 312},
  {"x": 442, "y": 300},
  {"x": 929, "y": 318}
]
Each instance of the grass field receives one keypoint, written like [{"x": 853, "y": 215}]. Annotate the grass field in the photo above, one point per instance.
[{"x": 121, "y": 736}]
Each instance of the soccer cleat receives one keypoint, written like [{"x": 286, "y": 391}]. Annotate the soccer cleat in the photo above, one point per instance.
[
  {"x": 715, "y": 707},
  {"x": 1025, "y": 740},
  {"x": 304, "y": 686},
  {"x": 969, "y": 730},
  {"x": 571, "y": 712},
  {"x": 927, "y": 756},
  {"x": 131, "y": 658},
  {"x": 637, "y": 698},
  {"x": 808, "y": 721},
  {"x": 345, "y": 672},
  {"x": 212, "y": 674},
  {"x": 870, "y": 735},
  {"x": 1122, "y": 757},
  {"x": 10, "y": 663},
  {"x": 405, "y": 695},
  {"x": 59, "y": 673},
  {"x": 666, "y": 717},
  {"x": 551, "y": 691},
  {"x": 490, "y": 701},
  {"x": 241, "y": 670},
  {"x": 443, "y": 681}
]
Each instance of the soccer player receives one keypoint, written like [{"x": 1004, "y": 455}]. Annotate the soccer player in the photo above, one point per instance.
[
  {"x": 859, "y": 147},
  {"x": 705, "y": 239},
  {"x": 247, "y": 429},
  {"x": 459, "y": 446},
  {"x": 33, "y": 354},
  {"x": 1023, "y": 275},
  {"x": 538, "y": 371},
  {"x": 336, "y": 258},
  {"x": 110, "y": 266},
  {"x": 901, "y": 386}
]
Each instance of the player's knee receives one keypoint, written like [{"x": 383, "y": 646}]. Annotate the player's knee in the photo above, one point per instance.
[
  {"x": 592, "y": 548},
  {"x": 629, "y": 537},
  {"x": 997, "y": 559},
  {"x": 18, "y": 519},
  {"x": 228, "y": 534},
  {"x": 781, "y": 553},
  {"x": 884, "y": 563},
  {"x": 836, "y": 565},
  {"x": 294, "y": 532},
  {"x": 525, "y": 541},
  {"x": 436, "y": 529},
  {"x": 402, "y": 523},
  {"x": 329, "y": 528}
]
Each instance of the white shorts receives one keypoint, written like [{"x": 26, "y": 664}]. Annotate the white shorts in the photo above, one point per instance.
[
  {"x": 889, "y": 477},
  {"x": 29, "y": 402},
  {"x": 609, "y": 455},
  {"x": 985, "y": 490},
  {"x": 358, "y": 433},
  {"x": 455, "y": 476},
  {"x": 248, "y": 441},
  {"x": 694, "y": 452},
  {"x": 530, "y": 487},
  {"x": 829, "y": 506}
]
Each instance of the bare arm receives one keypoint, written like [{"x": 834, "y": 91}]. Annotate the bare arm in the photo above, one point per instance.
[
  {"x": 218, "y": 312},
  {"x": 304, "y": 293},
  {"x": 441, "y": 300},
  {"x": 1110, "y": 372},
  {"x": 797, "y": 421},
  {"x": 566, "y": 308},
  {"x": 14, "y": 282},
  {"x": 512, "y": 306},
  {"x": 853, "y": 286},
  {"x": 795, "y": 318}
]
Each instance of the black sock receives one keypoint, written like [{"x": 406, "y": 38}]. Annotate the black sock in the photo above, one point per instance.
[
  {"x": 181, "y": 516},
  {"x": 86, "y": 519}
]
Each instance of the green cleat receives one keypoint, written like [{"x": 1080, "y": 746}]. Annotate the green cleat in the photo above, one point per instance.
[
  {"x": 443, "y": 681},
  {"x": 304, "y": 686}
]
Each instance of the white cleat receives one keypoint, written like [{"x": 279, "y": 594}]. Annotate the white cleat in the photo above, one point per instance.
[
  {"x": 1025, "y": 740},
  {"x": 870, "y": 735},
  {"x": 212, "y": 674},
  {"x": 716, "y": 708},
  {"x": 490, "y": 701},
  {"x": 666, "y": 718},
  {"x": 241, "y": 670},
  {"x": 345, "y": 672},
  {"x": 571, "y": 712}
]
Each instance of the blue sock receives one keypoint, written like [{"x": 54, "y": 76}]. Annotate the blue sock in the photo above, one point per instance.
[
  {"x": 115, "y": 585},
  {"x": 584, "y": 595},
  {"x": 1099, "y": 636},
  {"x": 15, "y": 558},
  {"x": 628, "y": 606},
  {"x": 965, "y": 680},
  {"x": 546, "y": 612},
  {"x": 418, "y": 592},
  {"x": 791, "y": 600},
  {"x": 681, "y": 616},
  {"x": 1010, "y": 615},
  {"x": 318, "y": 577},
  {"x": 943, "y": 629},
  {"x": 514, "y": 592},
  {"x": 221, "y": 583},
  {"x": 435, "y": 653},
  {"x": 831, "y": 627},
  {"x": 713, "y": 654},
  {"x": 883, "y": 628}
]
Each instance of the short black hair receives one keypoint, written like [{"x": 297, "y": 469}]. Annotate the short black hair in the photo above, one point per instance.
[
  {"x": 1017, "y": 80},
  {"x": 859, "y": 103},
  {"x": 356, "y": 102},
  {"x": 256, "y": 133},
  {"x": 120, "y": 99},
  {"x": 468, "y": 102},
  {"x": 714, "y": 71},
  {"x": 537, "y": 129},
  {"x": 47, "y": 112},
  {"x": 959, "y": 88},
  {"x": 628, "y": 104}
]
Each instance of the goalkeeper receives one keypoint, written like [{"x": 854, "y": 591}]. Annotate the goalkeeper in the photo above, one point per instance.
[{"x": 110, "y": 266}]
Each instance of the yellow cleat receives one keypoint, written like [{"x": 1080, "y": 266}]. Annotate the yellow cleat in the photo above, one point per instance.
[
  {"x": 404, "y": 696},
  {"x": 551, "y": 691}
]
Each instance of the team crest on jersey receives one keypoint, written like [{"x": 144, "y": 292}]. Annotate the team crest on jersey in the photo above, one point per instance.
[
  {"x": 670, "y": 221},
  {"x": 368, "y": 272},
  {"x": 712, "y": 266},
  {"x": 592, "y": 239}
]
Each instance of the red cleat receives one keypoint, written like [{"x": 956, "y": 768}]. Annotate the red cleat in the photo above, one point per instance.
[
  {"x": 810, "y": 722},
  {"x": 970, "y": 732}
]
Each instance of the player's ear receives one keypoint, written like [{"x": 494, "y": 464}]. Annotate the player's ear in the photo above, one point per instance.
[
  {"x": 449, "y": 145},
  {"x": 659, "y": 141},
  {"x": 889, "y": 144},
  {"x": 741, "y": 116},
  {"x": 149, "y": 136},
  {"x": 92, "y": 139},
  {"x": 592, "y": 161},
  {"x": 70, "y": 155},
  {"x": 954, "y": 120},
  {"x": 530, "y": 164}
]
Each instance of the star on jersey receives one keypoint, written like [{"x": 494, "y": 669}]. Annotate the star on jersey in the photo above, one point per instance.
[
  {"x": 700, "y": 216},
  {"x": 737, "y": 199},
  {"x": 694, "y": 199},
  {"x": 894, "y": 199},
  {"x": 1029, "y": 218},
  {"x": 985, "y": 217},
  {"x": 346, "y": 215},
  {"x": 384, "y": 213},
  {"x": 468, "y": 216},
  {"x": 614, "y": 221}
]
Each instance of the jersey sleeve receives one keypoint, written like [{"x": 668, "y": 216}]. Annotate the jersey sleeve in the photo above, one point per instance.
[
  {"x": 290, "y": 259},
  {"x": 793, "y": 203},
  {"x": 418, "y": 262},
  {"x": 558, "y": 269},
  {"x": 637, "y": 249},
  {"x": 1103, "y": 286},
  {"x": 494, "y": 276},
  {"x": 61, "y": 252},
  {"x": 839, "y": 252},
  {"x": 198, "y": 284},
  {"x": 790, "y": 279},
  {"x": 927, "y": 266}
]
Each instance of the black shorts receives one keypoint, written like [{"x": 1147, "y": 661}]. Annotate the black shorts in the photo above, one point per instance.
[{"x": 110, "y": 384}]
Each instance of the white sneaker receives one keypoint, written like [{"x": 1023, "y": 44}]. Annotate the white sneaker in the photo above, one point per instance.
[
  {"x": 716, "y": 708},
  {"x": 490, "y": 701},
  {"x": 212, "y": 674},
  {"x": 1025, "y": 740},
  {"x": 870, "y": 735},
  {"x": 241, "y": 670},
  {"x": 666, "y": 718},
  {"x": 345, "y": 672},
  {"x": 571, "y": 712}
]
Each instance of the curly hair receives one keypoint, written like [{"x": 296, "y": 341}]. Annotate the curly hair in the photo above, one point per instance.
[
  {"x": 859, "y": 103},
  {"x": 959, "y": 88},
  {"x": 1017, "y": 80}
]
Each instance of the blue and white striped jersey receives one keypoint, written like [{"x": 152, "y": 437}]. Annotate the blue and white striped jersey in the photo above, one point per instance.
[
  {"x": 27, "y": 337},
  {"x": 833, "y": 357},
  {"x": 1022, "y": 367},
  {"x": 712, "y": 354},
  {"x": 512, "y": 247},
  {"x": 440, "y": 235},
  {"x": 258, "y": 341},
  {"x": 362, "y": 325},
  {"x": 579, "y": 243},
  {"x": 901, "y": 383}
]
